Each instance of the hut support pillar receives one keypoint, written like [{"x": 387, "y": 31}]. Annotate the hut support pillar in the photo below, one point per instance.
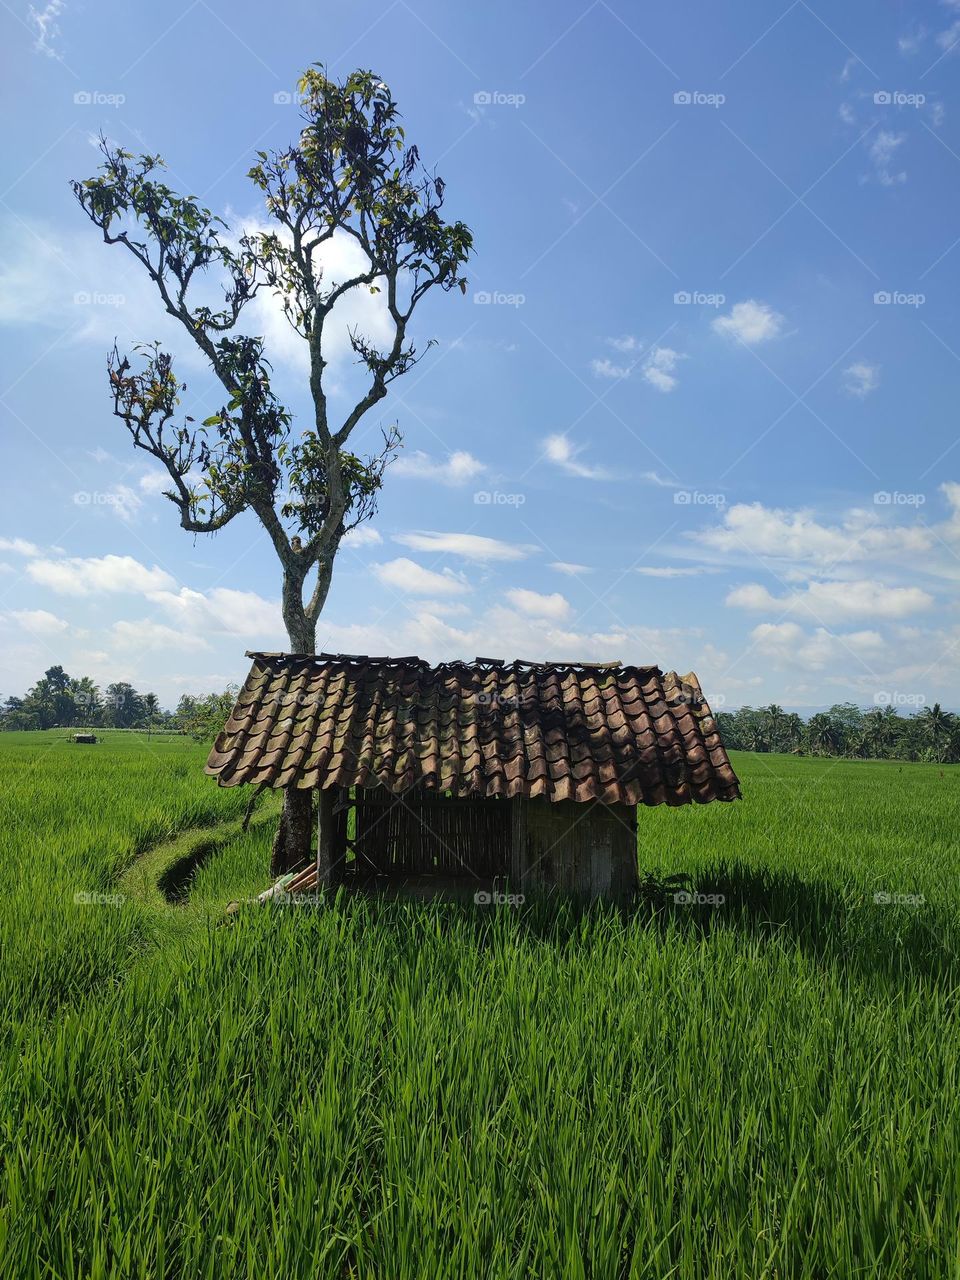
[{"x": 329, "y": 855}]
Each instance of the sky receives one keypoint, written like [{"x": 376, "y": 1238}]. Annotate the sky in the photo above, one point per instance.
[{"x": 697, "y": 407}]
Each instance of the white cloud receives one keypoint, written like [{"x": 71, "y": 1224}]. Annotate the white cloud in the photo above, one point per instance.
[
  {"x": 44, "y": 23},
  {"x": 571, "y": 570},
  {"x": 655, "y": 478},
  {"x": 789, "y": 647},
  {"x": 153, "y": 483},
  {"x": 605, "y": 368},
  {"x": 39, "y": 622},
  {"x": 658, "y": 368},
  {"x": 534, "y": 605},
  {"x": 836, "y": 601},
  {"x": 469, "y": 545},
  {"x": 362, "y": 536},
  {"x": 75, "y": 576},
  {"x": 559, "y": 450},
  {"x": 861, "y": 378},
  {"x": 882, "y": 150},
  {"x": 20, "y": 546},
  {"x": 755, "y": 530},
  {"x": 223, "y": 610},
  {"x": 339, "y": 259},
  {"x": 670, "y": 571},
  {"x": 625, "y": 344},
  {"x": 910, "y": 43},
  {"x": 406, "y": 575},
  {"x": 949, "y": 39},
  {"x": 750, "y": 322},
  {"x": 457, "y": 468},
  {"x": 147, "y": 634}
]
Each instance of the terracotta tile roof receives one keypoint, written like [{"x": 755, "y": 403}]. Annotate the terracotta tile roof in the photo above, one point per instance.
[{"x": 563, "y": 731}]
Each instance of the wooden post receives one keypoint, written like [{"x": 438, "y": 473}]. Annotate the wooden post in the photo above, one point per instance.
[{"x": 327, "y": 853}]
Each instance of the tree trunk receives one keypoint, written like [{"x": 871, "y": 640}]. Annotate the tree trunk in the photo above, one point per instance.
[{"x": 293, "y": 843}]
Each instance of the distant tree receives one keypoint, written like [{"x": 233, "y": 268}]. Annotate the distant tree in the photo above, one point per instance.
[
  {"x": 350, "y": 175},
  {"x": 151, "y": 709},
  {"x": 123, "y": 706}
]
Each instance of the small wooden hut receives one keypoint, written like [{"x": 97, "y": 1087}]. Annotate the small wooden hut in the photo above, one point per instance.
[{"x": 522, "y": 774}]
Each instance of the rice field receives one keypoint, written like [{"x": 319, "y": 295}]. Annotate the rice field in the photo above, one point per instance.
[{"x": 759, "y": 1086}]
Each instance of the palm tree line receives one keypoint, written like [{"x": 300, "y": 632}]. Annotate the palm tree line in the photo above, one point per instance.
[{"x": 881, "y": 733}]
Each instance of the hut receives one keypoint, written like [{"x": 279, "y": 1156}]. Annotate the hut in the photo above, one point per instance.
[{"x": 472, "y": 774}]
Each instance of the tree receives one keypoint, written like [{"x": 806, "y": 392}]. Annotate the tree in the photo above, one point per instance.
[
  {"x": 350, "y": 175},
  {"x": 151, "y": 707},
  {"x": 124, "y": 705}
]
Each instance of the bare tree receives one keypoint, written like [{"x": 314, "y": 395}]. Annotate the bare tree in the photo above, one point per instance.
[{"x": 351, "y": 174}]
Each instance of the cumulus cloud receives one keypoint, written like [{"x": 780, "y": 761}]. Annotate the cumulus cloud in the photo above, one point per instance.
[
  {"x": 605, "y": 368},
  {"x": 560, "y": 450},
  {"x": 39, "y": 622},
  {"x": 406, "y": 575},
  {"x": 456, "y": 468},
  {"x": 750, "y": 322},
  {"x": 470, "y": 546},
  {"x": 534, "y": 605},
  {"x": 860, "y": 378},
  {"x": 658, "y": 369},
  {"x": 222, "y": 610},
  {"x": 19, "y": 545},
  {"x": 753, "y": 529},
  {"x": 789, "y": 647},
  {"x": 77, "y": 576},
  {"x": 145, "y": 633},
  {"x": 836, "y": 601},
  {"x": 362, "y": 536}
]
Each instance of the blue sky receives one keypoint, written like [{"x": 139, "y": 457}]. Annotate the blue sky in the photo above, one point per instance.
[{"x": 697, "y": 408}]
